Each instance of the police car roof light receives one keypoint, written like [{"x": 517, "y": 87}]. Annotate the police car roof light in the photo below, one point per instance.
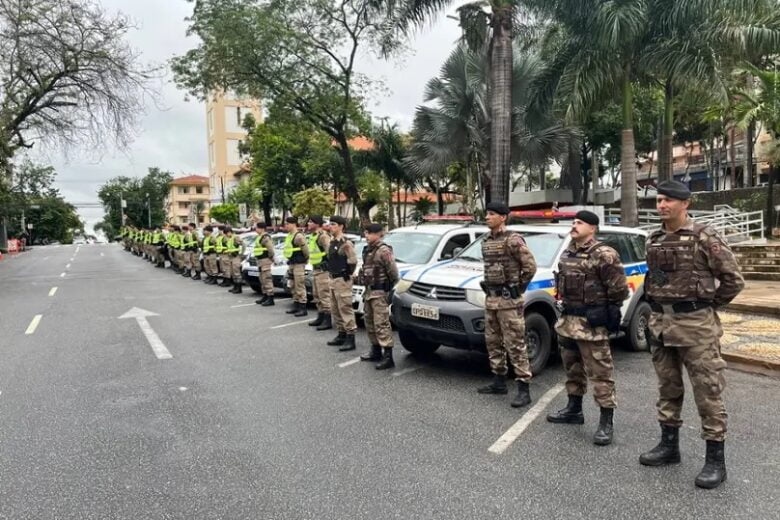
[
  {"x": 545, "y": 214},
  {"x": 448, "y": 218}
]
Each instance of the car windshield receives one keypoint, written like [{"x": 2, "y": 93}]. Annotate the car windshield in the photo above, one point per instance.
[
  {"x": 544, "y": 246},
  {"x": 412, "y": 248}
]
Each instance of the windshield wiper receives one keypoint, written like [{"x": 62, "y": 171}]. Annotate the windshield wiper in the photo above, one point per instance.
[{"x": 399, "y": 260}]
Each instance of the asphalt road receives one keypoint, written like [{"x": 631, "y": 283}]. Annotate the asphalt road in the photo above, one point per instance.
[{"x": 250, "y": 421}]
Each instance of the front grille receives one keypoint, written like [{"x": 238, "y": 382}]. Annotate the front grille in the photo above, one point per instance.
[
  {"x": 445, "y": 322},
  {"x": 447, "y": 294}
]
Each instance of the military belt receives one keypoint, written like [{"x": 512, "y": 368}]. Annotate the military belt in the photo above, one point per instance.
[
  {"x": 380, "y": 287},
  {"x": 505, "y": 291},
  {"x": 679, "y": 307}
]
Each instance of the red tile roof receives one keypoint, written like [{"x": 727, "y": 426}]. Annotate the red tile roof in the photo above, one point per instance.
[
  {"x": 413, "y": 197},
  {"x": 190, "y": 180}
]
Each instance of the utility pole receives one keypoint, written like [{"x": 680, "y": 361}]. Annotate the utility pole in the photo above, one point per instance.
[{"x": 148, "y": 213}]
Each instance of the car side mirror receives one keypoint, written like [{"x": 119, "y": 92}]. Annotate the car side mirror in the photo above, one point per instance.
[
  {"x": 456, "y": 251},
  {"x": 446, "y": 256}
]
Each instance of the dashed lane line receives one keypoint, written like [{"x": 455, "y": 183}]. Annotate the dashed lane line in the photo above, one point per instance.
[
  {"x": 242, "y": 305},
  {"x": 519, "y": 427},
  {"x": 53, "y": 291},
  {"x": 33, "y": 324},
  {"x": 350, "y": 362},
  {"x": 62, "y": 275},
  {"x": 289, "y": 324},
  {"x": 405, "y": 371}
]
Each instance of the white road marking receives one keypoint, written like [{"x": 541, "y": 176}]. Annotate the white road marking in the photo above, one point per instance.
[
  {"x": 217, "y": 292},
  {"x": 33, "y": 324},
  {"x": 242, "y": 305},
  {"x": 45, "y": 258},
  {"x": 405, "y": 371},
  {"x": 53, "y": 291},
  {"x": 72, "y": 258},
  {"x": 519, "y": 427},
  {"x": 101, "y": 254},
  {"x": 62, "y": 275},
  {"x": 182, "y": 388},
  {"x": 350, "y": 362},
  {"x": 67, "y": 266},
  {"x": 289, "y": 324},
  {"x": 154, "y": 340}
]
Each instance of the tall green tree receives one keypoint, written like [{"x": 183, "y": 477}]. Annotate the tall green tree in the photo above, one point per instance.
[{"x": 144, "y": 198}]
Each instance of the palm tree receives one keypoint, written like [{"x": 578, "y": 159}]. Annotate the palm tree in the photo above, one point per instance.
[{"x": 457, "y": 130}]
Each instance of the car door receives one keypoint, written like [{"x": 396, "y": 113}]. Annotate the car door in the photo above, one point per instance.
[
  {"x": 456, "y": 241},
  {"x": 621, "y": 242}
]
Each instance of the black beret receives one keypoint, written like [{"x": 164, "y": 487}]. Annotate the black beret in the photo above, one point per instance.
[
  {"x": 588, "y": 217},
  {"x": 674, "y": 189},
  {"x": 221, "y": 227},
  {"x": 261, "y": 225},
  {"x": 375, "y": 228},
  {"x": 317, "y": 219},
  {"x": 193, "y": 225},
  {"x": 228, "y": 229},
  {"x": 208, "y": 228},
  {"x": 291, "y": 220},
  {"x": 497, "y": 207},
  {"x": 337, "y": 219}
]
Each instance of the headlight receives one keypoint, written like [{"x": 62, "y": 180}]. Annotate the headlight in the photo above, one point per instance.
[
  {"x": 476, "y": 297},
  {"x": 402, "y": 286}
]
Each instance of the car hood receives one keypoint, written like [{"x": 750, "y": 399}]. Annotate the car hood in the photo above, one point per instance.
[{"x": 467, "y": 275}]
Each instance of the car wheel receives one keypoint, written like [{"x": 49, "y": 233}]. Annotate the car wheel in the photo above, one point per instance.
[
  {"x": 413, "y": 344},
  {"x": 636, "y": 339},
  {"x": 538, "y": 341}
]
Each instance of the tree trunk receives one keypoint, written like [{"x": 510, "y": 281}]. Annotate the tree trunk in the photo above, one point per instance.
[
  {"x": 770, "y": 202},
  {"x": 666, "y": 148},
  {"x": 733, "y": 152},
  {"x": 349, "y": 172},
  {"x": 628, "y": 206},
  {"x": 500, "y": 103},
  {"x": 594, "y": 172},
  {"x": 751, "y": 130},
  {"x": 390, "y": 216},
  {"x": 542, "y": 179},
  {"x": 573, "y": 172}
]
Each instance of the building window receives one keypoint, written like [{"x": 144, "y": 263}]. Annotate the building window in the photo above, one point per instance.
[
  {"x": 234, "y": 119},
  {"x": 212, "y": 158},
  {"x": 184, "y": 205},
  {"x": 233, "y": 155},
  {"x": 201, "y": 219},
  {"x": 182, "y": 220},
  {"x": 199, "y": 190},
  {"x": 183, "y": 190}
]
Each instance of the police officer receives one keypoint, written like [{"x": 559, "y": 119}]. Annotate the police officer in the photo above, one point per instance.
[
  {"x": 591, "y": 285},
  {"x": 342, "y": 262},
  {"x": 296, "y": 251},
  {"x": 234, "y": 250},
  {"x": 188, "y": 244},
  {"x": 174, "y": 243},
  {"x": 319, "y": 242},
  {"x": 209, "y": 248},
  {"x": 264, "y": 255},
  {"x": 157, "y": 247},
  {"x": 378, "y": 275},
  {"x": 194, "y": 252},
  {"x": 223, "y": 260},
  {"x": 509, "y": 268},
  {"x": 691, "y": 273}
]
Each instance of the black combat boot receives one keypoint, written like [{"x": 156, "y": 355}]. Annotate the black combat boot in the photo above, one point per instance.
[
  {"x": 572, "y": 414},
  {"x": 373, "y": 354},
  {"x": 714, "y": 470},
  {"x": 211, "y": 280},
  {"x": 318, "y": 321},
  {"x": 667, "y": 451},
  {"x": 302, "y": 311},
  {"x": 197, "y": 276},
  {"x": 239, "y": 288},
  {"x": 294, "y": 309},
  {"x": 339, "y": 340},
  {"x": 603, "y": 435},
  {"x": 349, "y": 343},
  {"x": 523, "y": 397},
  {"x": 498, "y": 386},
  {"x": 235, "y": 289},
  {"x": 225, "y": 283},
  {"x": 185, "y": 272},
  {"x": 327, "y": 322},
  {"x": 387, "y": 360},
  {"x": 269, "y": 302},
  {"x": 262, "y": 300}
]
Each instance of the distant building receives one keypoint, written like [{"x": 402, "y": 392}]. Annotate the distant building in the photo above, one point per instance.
[
  {"x": 224, "y": 115},
  {"x": 188, "y": 200}
]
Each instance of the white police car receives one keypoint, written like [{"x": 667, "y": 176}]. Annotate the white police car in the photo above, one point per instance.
[
  {"x": 438, "y": 238},
  {"x": 249, "y": 270},
  {"x": 443, "y": 304}
]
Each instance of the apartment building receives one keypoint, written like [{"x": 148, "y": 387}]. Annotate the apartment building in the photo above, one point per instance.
[
  {"x": 188, "y": 200},
  {"x": 225, "y": 116}
]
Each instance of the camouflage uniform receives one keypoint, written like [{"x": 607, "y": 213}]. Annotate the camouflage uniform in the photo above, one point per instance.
[
  {"x": 691, "y": 272},
  {"x": 509, "y": 268},
  {"x": 342, "y": 261},
  {"x": 296, "y": 272},
  {"x": 320, "y": 280},
  {"x": 590, "y": 276},
  {"x": 379, "y": 275},
  {"x": 234, "y": 250},
  {"x": 265, "y": 261},
  {"x": 210, "y": 256}
]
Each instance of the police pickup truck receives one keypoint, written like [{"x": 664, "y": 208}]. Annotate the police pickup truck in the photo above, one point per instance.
[{"x": 443, "y": 304}]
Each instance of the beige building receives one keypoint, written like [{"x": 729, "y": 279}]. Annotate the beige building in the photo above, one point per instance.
[
  {"x": 224, "y": 116},
  {"x": 188, "y": 200}
]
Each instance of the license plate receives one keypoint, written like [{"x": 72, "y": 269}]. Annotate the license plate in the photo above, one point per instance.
[{"x": 428, "y": 312}]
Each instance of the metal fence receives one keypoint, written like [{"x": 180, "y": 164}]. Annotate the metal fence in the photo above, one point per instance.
[{"x": 733, "y": 225}]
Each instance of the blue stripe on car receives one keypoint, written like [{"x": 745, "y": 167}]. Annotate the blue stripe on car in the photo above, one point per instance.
[{"x": 434, "y": 266}]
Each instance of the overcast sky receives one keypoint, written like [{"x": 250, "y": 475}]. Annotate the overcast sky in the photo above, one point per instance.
[{"x": 173, "y": 137}]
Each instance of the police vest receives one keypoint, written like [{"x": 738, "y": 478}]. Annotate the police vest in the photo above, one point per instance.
[
  {"x": 260, "y": 251},
  {"x": 500, "y": 267},
  {"x": 190, "y": 242},
  {"x": 174, "y": 240},
  {"x": 337, "y": 263},
  {"x": 374, "y": 275},
  {"x": 677, "y": 271},
  {"x": 578, "y": 281},
  {"x": 220, "y": 244},
  {"x": 157, "y": 238},
  {"x": 293, "y": 254},
  {"x": 232, "y": 247},
  {"x": 316, "y": 255},
  {"x": 208, "y": 245}
]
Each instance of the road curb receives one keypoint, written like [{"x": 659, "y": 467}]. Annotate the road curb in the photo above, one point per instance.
[
  {"x": 752, "y": 365},
  {"x": 748, "y": 308}
]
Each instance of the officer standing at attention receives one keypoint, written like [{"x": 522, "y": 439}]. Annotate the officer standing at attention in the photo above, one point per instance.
[
  {"x": 296, "y": 251},
  {"x": 223, "y": 260},
  {"x": 342, "y": 262},
  {"x": 234, "y": 250},
  {"x": 157, "y": 247},
  {"x": 379, "y": 274},
  {"x": 194, "y": 252},
  {"x": 591, "y": 284},
  {"x": 210, "y": 255},
  {"x": 691, "y": 273},
  {"x": 509, "y": 268},
  {"x": 319, "y": 242},
  {"x": 264, "y": 255}
]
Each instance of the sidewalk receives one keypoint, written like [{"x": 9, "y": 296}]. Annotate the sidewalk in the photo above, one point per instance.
[{"x": 758, "y": 297}]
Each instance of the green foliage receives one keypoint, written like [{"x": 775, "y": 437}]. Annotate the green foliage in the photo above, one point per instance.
[
  {"x": 313, "y": 201},
  {"x": 134, "y": 191},
  {"x": 381, "y": 214},
  {"x": 246, "y": 193},
  {"x": 225, "y": 213},
  {"x": 423, "y": 206},
  {"x": 373, "y": 189}
]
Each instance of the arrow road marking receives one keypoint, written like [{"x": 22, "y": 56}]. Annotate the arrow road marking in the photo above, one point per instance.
[{"x": 154, "y": 340}]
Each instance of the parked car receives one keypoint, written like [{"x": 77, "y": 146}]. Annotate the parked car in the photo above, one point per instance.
[{"x": 443, "y": 304}]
